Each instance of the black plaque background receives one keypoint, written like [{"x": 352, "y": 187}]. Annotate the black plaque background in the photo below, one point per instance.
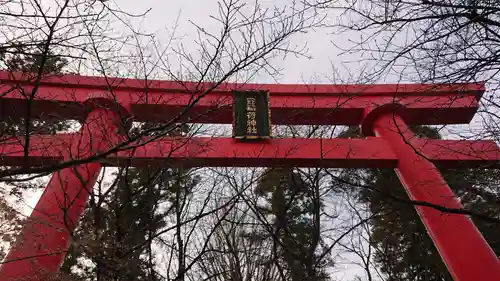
[{"x": 240, "y": 114}]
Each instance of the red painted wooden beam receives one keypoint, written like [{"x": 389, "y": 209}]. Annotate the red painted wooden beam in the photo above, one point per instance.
[
  {"x": 354, "y": 153},
  {"x": 63, "y": 96},
  {"x": 459, "y": 153},
  {"x": 464, "y": 251},
  {"x": 333, "y": 153}
]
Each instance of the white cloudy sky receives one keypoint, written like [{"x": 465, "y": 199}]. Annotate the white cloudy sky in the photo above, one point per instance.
[{"x": 165, "y": 17}]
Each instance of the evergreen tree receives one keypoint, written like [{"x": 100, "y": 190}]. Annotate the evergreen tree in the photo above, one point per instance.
[
  {"x": 290, "y": 201},
  {"x": 29, "y": 60},
  {"x": 116, "y": 232},
  {"x": 26, "y": 59},
  {"x": 405, "y": 250}
]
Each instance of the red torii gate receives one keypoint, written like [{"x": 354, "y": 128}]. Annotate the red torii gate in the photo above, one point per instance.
[{"x": 105, "y": 104}]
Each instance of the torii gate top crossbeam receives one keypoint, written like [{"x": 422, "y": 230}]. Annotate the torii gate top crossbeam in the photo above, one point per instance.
[{"x": 63, "y": 97}]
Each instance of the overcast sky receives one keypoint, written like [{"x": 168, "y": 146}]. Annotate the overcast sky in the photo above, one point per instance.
[{"x": 163, "y": 16}]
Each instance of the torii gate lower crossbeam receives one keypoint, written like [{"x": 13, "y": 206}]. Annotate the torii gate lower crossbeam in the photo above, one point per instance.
[{"x": 41, "y": 246}]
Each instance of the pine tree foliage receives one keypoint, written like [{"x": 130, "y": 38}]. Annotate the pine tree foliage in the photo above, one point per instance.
[
  {"x": 115, "y": 238},
  {"x": 294, "y": 210},
  {"x": 29, "y": 59},
  {"x": 404, "y": 249}
]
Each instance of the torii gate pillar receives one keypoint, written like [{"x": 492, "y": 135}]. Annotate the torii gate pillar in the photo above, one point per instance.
[
  {"x": 462, "y": 247},
  {"x": 40, "y": 249}
]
